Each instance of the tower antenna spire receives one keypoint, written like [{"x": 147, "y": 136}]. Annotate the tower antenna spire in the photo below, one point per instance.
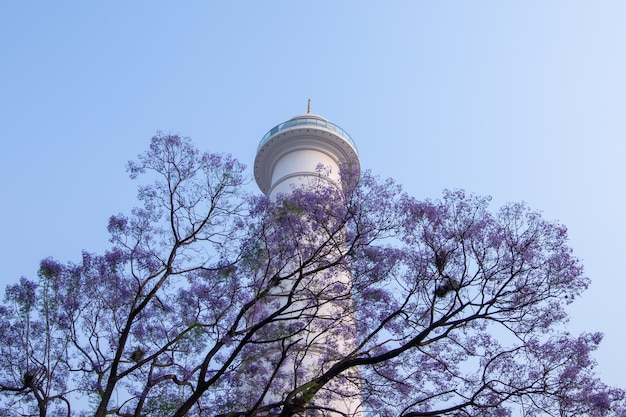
[{"x": 309, "y": 107}]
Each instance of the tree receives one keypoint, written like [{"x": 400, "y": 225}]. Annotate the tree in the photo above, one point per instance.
[{"x": 212, "y": 301}]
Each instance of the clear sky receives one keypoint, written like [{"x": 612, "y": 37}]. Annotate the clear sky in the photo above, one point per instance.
[{"x": 524, "y": 101}]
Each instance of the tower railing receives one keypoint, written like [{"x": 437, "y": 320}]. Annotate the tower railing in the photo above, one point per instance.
[{"x": 307, "y": 121}]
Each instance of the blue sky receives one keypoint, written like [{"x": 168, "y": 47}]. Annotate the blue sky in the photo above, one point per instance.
[{"x": 524, "y": 101}]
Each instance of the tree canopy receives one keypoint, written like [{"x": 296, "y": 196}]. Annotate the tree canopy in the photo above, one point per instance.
[{"x": 214, "y": 301}]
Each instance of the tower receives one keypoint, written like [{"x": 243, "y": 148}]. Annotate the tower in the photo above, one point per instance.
[{"x": 305, "y": 152}]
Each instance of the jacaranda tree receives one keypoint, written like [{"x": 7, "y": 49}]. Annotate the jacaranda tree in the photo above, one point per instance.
[{"x": 212, "y": 302}]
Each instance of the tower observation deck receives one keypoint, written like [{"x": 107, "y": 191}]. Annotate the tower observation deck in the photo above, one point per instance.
[{"x": 293, "y": 150}]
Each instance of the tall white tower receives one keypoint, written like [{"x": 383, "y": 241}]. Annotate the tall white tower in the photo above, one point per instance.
[{"x": 290, "y": 155}]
